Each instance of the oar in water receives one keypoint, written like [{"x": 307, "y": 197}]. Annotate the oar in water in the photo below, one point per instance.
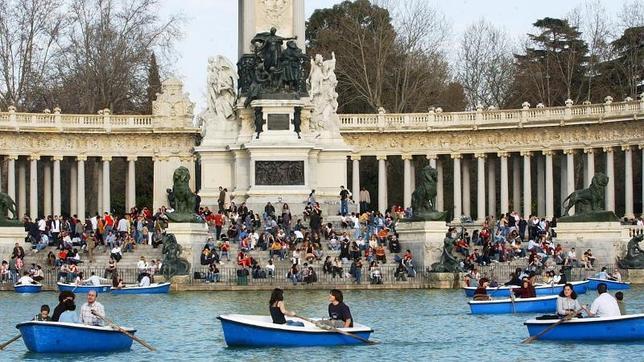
[
  {"x": 122, "y": 330},
  {"x": 535, "y": 337},
  {"x": 5, "y": 344},
  {"x": 512, "y": 301},
  {"x": 331, "y": 328}
]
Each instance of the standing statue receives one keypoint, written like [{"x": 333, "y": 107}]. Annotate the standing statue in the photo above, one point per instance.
[
  {"x": 634, "y": 258},
  {"x": 588, "y": 202},
  {"x": 7, "y": 207},
  {"x": 422, "y": 199},
  {"x": 173, "y": 263},
  {"x": 291, "y": 60},
  {"x": 322, "y": 83},
  {"x": 222, "y": 80},
  {"x": 182, "y": 199},
  {"x": 269, "y": 46}
]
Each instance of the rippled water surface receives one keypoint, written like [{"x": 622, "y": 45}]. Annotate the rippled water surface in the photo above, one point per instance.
[{"x": 419, "y": 325}]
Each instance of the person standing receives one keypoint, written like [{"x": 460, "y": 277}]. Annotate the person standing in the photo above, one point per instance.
[
  {"x": 86, "y": 315},
  {"x": 365, "y": 200},
  {"x": 221, "y": 198},
  {"x": 344, "y": 201}
]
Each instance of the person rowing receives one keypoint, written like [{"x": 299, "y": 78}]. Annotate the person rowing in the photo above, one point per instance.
[
  {"x": 339, "y": 313},
  {"x": 526, "y": 291},
  {"x": 278, "y": 309},
  {"x": 567, "y": 303},
  {"x": 90, "y": 309},
  {"x": 481, "y": 291}
]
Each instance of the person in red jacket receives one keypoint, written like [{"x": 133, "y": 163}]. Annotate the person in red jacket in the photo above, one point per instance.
[{"x": 526, "y": 290}]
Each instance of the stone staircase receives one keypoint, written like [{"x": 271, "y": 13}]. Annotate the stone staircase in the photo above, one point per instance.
[{"x": 101, "y": 256}]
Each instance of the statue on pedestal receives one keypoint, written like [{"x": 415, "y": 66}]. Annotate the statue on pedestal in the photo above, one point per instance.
[
  {"x": 422, "y": 199},
  {"x": 221, "y": 97},
  {"x": 322, "y": 82},
  {"x": 634, "y": 258},
  {"x": 173, "y": 263},
  {"x": 588, "y": 203},
  {"x": 7, "y": 205},
  {"x": 448, "y": 263},
  {"x": 184, "y": 202}
]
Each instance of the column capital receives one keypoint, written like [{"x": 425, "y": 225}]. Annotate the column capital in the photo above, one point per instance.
[
  {"x": 641, "y": 147},
  {"x": 568, "y": 151},
  {"x": 526, "y": 153},
  {"x": 187, "y": 158},
  {"x": 381, "y": 157},
  {"x": 547, "y": 152},
  {"x": 355, "y": 157},
  {"x": 81, "y": 158},
  {"x": 12, "y": 157},
  {"x": 34, "y": 157},
  {"x": 456, "y": 156},
  {"x": 132, "y": 158},
  {"x": 625, "y": 147},
  {"x": 407, "y": 156},
  {"x": 589, "y": 150},
  {"x": 431, "y": 156},
  {"x": 106, "y": 158},
  {"x": 608, "y": 149},
  {"x": 480, "y": 155},
  {"x": 57, "y": 158},
  {"x": 158, "y": 157},
  {"x": 503, "y": 154}
]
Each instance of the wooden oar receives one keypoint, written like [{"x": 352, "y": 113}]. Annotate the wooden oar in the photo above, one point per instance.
[
  {"x": 331, "y": 328},
  {"x": 5, "y": 344},
  {"x": 512, "y": 301},
  {"x": 122, "y": 330},
  {"x": 535, "y": 337}
]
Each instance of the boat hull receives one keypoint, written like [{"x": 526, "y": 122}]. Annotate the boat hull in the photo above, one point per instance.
[
  {"x": 613, "y": 329},
  {"x": 611, "y": 284},
  {"x": 54, "y": 337},
  {"x": 28, "y": 288},
  {"x": 161, "y": 288},
  {"x": 579, "y": 288},
  {"x": 240, "y": 333},
  {"x": 83, "y": 288},
  {"x": 546, "y": 304}
]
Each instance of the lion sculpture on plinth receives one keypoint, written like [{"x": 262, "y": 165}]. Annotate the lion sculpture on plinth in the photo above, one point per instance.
[
  {"x": 587, "y": 200},
  {"x": 422, "y": 199},
  {"x": 184, "y": 202},
  {"x": 8, "y": 214}
]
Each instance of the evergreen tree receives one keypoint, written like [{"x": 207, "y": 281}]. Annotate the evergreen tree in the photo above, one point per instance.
[{"x": 154, "y": 82}]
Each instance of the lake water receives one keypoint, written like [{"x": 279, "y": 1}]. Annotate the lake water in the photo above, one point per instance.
[{"x": 419, "y": 325}]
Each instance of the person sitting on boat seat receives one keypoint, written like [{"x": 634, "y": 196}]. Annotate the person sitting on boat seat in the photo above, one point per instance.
[
  {"x": 619, "y": 296},
  {"x": 339, "y": 313},
  {"x": 61, "y": 307},
  {"x": 567, "y": 303},
  {"x": 86, "y": 315},
  {"x": 25, "y": 279},
  {"x": 43, "y": 316},
  {"x": 95, "y": 280},
  {"x": 603, "y": 274},
  {"x": 604, "y": 305},
  {"x": 68, "y": 314},
  {"x": 278, "y": 310},
  {"x": 481, "y": 291},
  {"x": 526, "y": 290},
  {"x": 145, "y": 281}
]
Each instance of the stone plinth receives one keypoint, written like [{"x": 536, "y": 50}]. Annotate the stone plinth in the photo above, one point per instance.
[
  {"x": 191, "y": 237},
  {"x": 444, "y": 280},
  {"x": 9, "y": 235},
  {"x": 603, "y": 238},
  {"x": 635, "y": 276},
  {"x": 424, "y": 239}
]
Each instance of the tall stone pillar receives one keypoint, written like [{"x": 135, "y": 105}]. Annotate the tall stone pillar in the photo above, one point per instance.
[
  {"x": 355, "y": 181},
  {"x": 541, "y": 186},
  {"x": 628, "y": 181},
  {"x": 33, "y": 186},
  {"x": 407, "y": 180},
  {"x": 46, "y": 172},
  {"x": 589, "y": 170},
  {"x": 412, "y": 175},
  {"x": 563, "y": 188},
  {"x": 505, "y": 201},
  {"x": 107, "y": 207},
  {"x": 491, "y": 188},
  {"x": 22, "y": 189},
  {"x": 299, "y": 23},
  {"x": 516, "y": 183},
  {"x": 609, "y": 197},
  {"x": 73, "y": 189},
  {"x": 642, "y": 148},
  {"x": 527, "y": 184},
  {"x": 56, "y": 189},
  {"x": 457, "y": 186},
  {"x": 131, "y": 182},
  {"x": 570, "y": 174},
  {"x": 480, "y": 187},
  {"x": 467, "y": 197},
  {"x": 550, "y": 189},
  {"x": 80, "y": 184},
  {"x": 382, "y": 183},
  {"x": 11, "y": 178},
  {"x": 99, "y": 188}
]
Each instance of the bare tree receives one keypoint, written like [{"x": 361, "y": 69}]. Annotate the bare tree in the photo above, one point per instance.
[{"x": 631, "y": 15}]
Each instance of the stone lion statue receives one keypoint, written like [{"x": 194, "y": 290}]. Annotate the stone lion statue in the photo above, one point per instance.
[
  {"x": 422, "y": 199},
  {"x": 184, "y": 202},
  {"x": 8, "y": 214},
  {"x": 173, "y": 263},
  {"x": 587, "y": 200}
]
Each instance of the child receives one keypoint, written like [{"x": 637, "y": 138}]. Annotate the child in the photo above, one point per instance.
[
  {"x": 620, "y": 302},
  {"x": 43, "y": 316}
]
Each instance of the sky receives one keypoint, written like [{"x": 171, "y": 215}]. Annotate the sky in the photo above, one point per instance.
[{"x": 210, "y": 28}]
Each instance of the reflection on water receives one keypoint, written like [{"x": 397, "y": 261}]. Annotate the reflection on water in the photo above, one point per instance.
[{"x": 411, "y": 324}]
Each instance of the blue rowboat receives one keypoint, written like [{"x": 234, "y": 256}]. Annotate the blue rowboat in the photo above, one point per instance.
[
  {"x": 260, "y": 331},
  {"x": 546, "y": 304},
  {"x": 611, "y": 284},
  {"x": 155, "y": 288},
  {"x": 103, "y": 288},
  {"x": 57, "y": 337},
  {"x": 626, "y": 328},
  {"x": 27, "y": 288},
  {"x": 579, "y": 287}
]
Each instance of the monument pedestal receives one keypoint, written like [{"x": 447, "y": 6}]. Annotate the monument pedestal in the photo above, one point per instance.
[
  {"x": 191, "y": 237},
  {"x": 424, "y": 239},
  {"x": 9, "y": 235},
  {"x": 603, "y": 238}
]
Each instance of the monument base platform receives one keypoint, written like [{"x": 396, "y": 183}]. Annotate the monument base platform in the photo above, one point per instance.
[
  {"x": 424, "y": 239},
  {"x": 191, "y": 237},
  {"x": 9, "y": 235},
  {"x": 603, "y": 238}
]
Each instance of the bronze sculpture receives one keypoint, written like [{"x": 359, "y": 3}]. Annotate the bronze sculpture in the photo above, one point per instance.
[
  {"x": 588, "y": 203},
  {"x": 449, "y": 263},
  {"x": 182, "y": 199},
  {"x": 7, "y": 205},
  {"x": 422, "y": 199},
  {"x": 173, "y": 263},
  {"x": 634, "y": 258}
]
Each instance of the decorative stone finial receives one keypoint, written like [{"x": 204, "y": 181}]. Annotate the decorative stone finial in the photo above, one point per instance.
[
  {"x": 628, "y": 99},
  {"x": 439, "y": 110},
  {"x": 540, "y": 105},
  {"x": 525, "y": 105},
  {"x": 569, "y": 102},
  {"x": 12, "y": 108},
  {"x": 382, "y": 110},
  {"x": 586, "y": 102},
  {"x": 608, "y": 100},
  {"x": 46, "y": 111},
  {"x": 479, "y": 107},
  {"x": 107, "y": 112},
  {"x": 491, "y": 108},
  {"x": 57, "y": 110}
]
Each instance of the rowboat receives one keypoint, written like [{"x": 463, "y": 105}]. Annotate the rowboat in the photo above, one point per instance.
[
  {"x": 58, "y": 337},
  {"x": 545, "y": 304},
  {"x": 607, "y": 329},
  {"x": 154, "y": 288},
  {"x": 611, "y": 284},
  {"x": 103, "y": 288},
  {"x": 260, "y": 331},
  {"x": 579, "y": 287},
  {"x": 27, "y": 288}
]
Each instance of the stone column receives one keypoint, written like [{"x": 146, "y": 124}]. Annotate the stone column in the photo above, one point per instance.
[
  {"x": 412, "y": 174},
  {"x": 33, "y": 186},
  {"x": 563, "y": 188},
  {"x": 642, "y": 148},
  {"x": 609, "y": 197},
  {"x": 491, "y": 188},
  {"x": 407, "y": 180},
  {"x": 11, "y": 178},
  {"x": 382, "y": 183},
  {"x": 22, "y": 189},
  {"x": 590, "y": 166},
  {"x": 46, "y": 188},
  {"x": 355, "y": 181},
  {"x": 527, "y": 184},
  {"x": 505, "y": 207},
  {"x": 131, "y": 182},
  {"x": 80, "y": 184},
  {"x": 106, "y": 184},
  {"x": 57, "y": 197},
  {"x": 73, "y": 189},
  {"x": 466, "y": 200},
  {"x": 628, "y": 181},
  {"x": 299, "y": 23},
  {"x": 99, "y": 188},
  {"x": 457, "y": 186},
  {"x": 480, "y": 187},
  {"x": 550, "y": 189},
  {"x": 516, "y": 183},
  {"x": 570, "y": 174},
  {"x": 541, "y": 187},
  {"x": 246, "y": 28}
]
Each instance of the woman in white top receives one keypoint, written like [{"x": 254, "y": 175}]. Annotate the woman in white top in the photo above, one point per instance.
[{"x": 567, "y": 302}]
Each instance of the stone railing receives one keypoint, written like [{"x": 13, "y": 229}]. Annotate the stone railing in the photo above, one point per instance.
[{"x": 540, "y": 116}]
